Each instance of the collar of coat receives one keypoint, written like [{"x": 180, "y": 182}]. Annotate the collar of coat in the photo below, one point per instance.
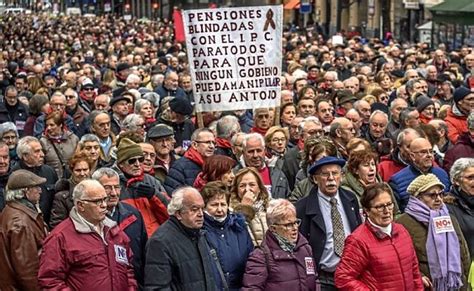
[{"x": 81, "y": 226}]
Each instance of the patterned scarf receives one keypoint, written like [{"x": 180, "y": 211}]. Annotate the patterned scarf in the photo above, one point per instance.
[{"x": 284, "y": 243}]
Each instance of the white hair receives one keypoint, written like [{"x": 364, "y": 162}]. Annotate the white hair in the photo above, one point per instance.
[
  {"x": 278, "y": 209},
  {"x": 458, "y": 168},
  {"x": 176, "y": 203},
  {"x": 83, "y": 187},
  {"x": 24, "y": 147},
  {"x": 12, "y": 195},
  {"x": 253, "y": 135},
  {"x": 133, "y": 78},
  {"x": 378, "y": 112}
]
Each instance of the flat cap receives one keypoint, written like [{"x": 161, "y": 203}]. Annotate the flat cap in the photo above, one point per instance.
[{"x": 20, "y": 179}]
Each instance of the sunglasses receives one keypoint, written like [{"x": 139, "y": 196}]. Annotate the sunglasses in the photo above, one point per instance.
[
  {"x": 88, "y": 89},
  {"x": 132, "y": 161}
]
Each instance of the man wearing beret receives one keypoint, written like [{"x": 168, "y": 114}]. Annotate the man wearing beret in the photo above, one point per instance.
[
  {"x": 161, "y": 137},
  {"x": 22, "y": 231},
  {"x": 138, "y": 189},
  {"x": 119, "y": 105},
  {"x": 183, "y": 127},
  {"x": 457, "y": 115},
  {"x": 328, "y": 215}
]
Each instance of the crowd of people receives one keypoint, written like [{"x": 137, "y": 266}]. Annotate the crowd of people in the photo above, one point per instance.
[{"x": 362, "y": 178}]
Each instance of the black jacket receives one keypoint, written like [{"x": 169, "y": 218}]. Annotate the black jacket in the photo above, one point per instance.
[
  {"x": 131, "y": 222},
  {"x": 183, "y": 172},
  {"x": 18, "y": 115},
  {"x": 182, "y": 131},
  {"x": 62, "y": 203},
  {"x": 312, "y": 222},
  {"x": 47, "y": 189},
  {"x": 463, "y": 209},
  {"x": 291, "y": 165},
  {"x": 178, "y": 259}
]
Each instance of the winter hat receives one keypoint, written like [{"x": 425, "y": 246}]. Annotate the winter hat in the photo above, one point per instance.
[
  {"x": 422, "y": 102},
  {"x": 460, "y": 93},
  {"x": 128, "y": 149},
  {"x": 423, "y": 183},
  {"x": 181, "y": 105},
  {"x": 20, "y": 179}
]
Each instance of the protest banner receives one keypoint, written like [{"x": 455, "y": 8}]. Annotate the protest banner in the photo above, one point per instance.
[{"x": 235, "y": 57}]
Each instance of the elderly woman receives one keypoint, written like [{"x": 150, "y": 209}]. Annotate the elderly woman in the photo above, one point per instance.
[
  {"x": 379, "y": 254},
  {"x": 216, "y": 168},
  {"x": 262, "y": 120},
  {"x": 385, "y": 81},
  {"x": 361, "y": 172},
  {"x": 276, "y": 142},
  {"x": 144, "y": 108},
  {"x": 38, "y": 104},
  {"x": 23, "y": 231},
  {"x": 438, "y": 240},
  {"x": 227, "y": 235},
  {"x": 58, "y": 143},
  {"x": 250, "y": 197},
  {"x": 80, "y": 167},
  {"x": 287, "y": 114},
  {"x": 9, "y": 135},
  {"x": 460, "y": 199},
  {"x": 285, "y": 260},
  {"x": 136, "y": 123},
  {"x": 315, "y": 148}
]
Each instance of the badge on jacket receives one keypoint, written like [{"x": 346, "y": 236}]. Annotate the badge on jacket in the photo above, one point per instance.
[
  {"x": 443, "y": 224},
  {"x": 121, "y": 254},
  {"x": 309, "y": 263}
]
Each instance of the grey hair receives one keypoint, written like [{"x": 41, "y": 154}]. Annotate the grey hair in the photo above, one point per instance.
[
  {"x": 176, "y": 203},
  {"x": 12, "y": 195},
  {"x": 227, "y": 126},
  {"x": 109, "y": 172},
  {"x": 378, "y": 112},
  {"x": 405, "y": 114},
  {"x": 139, "y": 105},
  {"x": 394, "y": 102},
  {"x": 236, "y": 136},
  {"x": 399, "y": 91},
  {"x": 470, "y": 121},
  {"x": 153, "y": 97},
  {"x": 256, "y": 110},
  {"x": 82, "y": 188},
  {"x": 130, "y": 122},
  {"x": 198, "y": 131},
  {"x": 6, "y": 127},
  {"x": 403, "y": 133},
  {"x": 88, "y": 138},
  {"x": 253, "y": 135},
  {"x": 58, "y": 94},
  {"x": 458, "y": 168},
  {"x": 24, "y": 147},
  {"x": 312, "y": 119},
  {"x": 278, "y": 209},
  {"x": 133, "y": 77}
]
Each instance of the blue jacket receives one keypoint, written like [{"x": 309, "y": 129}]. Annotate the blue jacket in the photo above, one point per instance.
[
  {"x": 183, "y": 172},
  {"x": 130, "y": 221},
  {"x": 401, "y": 180},
  {"x": 40, "y": 126},
  {"x": 233, "y": 245}
]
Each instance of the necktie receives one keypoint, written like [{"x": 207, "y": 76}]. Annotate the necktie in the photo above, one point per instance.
[{"x": 337, "y": 228}]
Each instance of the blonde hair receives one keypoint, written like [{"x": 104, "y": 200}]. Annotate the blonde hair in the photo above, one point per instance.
[
  {"x": 274, "y": 129},
  {"x": 234, "y": 196},
  {"x": 278, "y": 209}
]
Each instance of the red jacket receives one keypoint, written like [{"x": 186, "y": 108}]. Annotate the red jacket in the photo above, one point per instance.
[
  {"x": 76, "y": 258},
  {"x": 389, "y": 167},
  {"x": 457, "y": 125},
  {"x": 373, "y": 260}
]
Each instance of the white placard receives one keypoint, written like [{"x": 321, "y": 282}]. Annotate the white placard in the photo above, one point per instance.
[{"x": 235, "y": 57}]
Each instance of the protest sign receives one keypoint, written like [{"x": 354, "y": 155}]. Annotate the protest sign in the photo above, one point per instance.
[{"x": 235, "y": 57}]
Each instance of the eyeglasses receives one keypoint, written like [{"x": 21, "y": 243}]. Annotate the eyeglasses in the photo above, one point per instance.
[
  {"x": 424, "y": 152},
  {"x": 109, "y": 188},
  {"x": 381, "y": 208},
  {"x": 88, "y": 89},
  {"x": 208, "y": 142},
  {"x": 290, "y": 225},
  {"x": 278, "y": 140},
  {"x": 132, "y": 161},
  {"x": 69, "y": 97},
  {"x": 434, "y": 195},
  {"x": 97, "y": 202}
]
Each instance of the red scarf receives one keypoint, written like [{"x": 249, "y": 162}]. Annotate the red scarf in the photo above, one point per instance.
[
  {"x": 300, "y": 144},
  {"x": 194, "y": 156},
  {"x": 259, "y": 130},
  {"x": 87, "y": 99},
  {"x": 223, "y": 143},
  {"x": 136, "y": 179},
  {"x": 200, "y": 182}
]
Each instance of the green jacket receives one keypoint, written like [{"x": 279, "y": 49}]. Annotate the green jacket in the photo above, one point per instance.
[{"x": 419, "y": 232}]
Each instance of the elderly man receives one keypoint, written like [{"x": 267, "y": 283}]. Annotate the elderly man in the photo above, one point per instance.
[
  {"x": 325, "y": 113},
  {"x": 464, "y": 147},
  {"x": 73, "y": 109},
  {"x": 306, "y": 107},
  {"x": 127, "y": 217},
  {"x": 22, "y": 232},
  {"x": 102, "y": 103},
  {"x": 119, "y": 105},
  {"x": 354, "y": 116},
  {"x": 170, "y": 87},
  {"x": 397, "y": 105},
  {"x": 31, "y": 156},
  {"x": 421, "y": 163},
  {"x": 140, "y": 190},
  {"x": 87, "y": 251},
  {"x": 185, "y": 170},
  {"x": 328, "y": 214},
  {"x": 101, "y": 127},
  {"x": 226, "y": 127},
  {"x": 363, "y": 108},
  {"x": 377, "y": 134},
  {"x": 457, "y": 115},
  {"x": 177, "y": 255},
  {"x": 254, "y": 156},
  {"x": 341, "y": 132},
  {"x": 161, "y": 137},
  {"x": 12, "y": 110}
]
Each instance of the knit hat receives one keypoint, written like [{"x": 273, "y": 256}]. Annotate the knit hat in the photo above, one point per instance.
[
  {"x": 128, "y": 149},
  {"x": 181, "y": 105},
  {"x": 423, "y": 183},
  {"x": 460, "y": 93},
  {"x": 345, "y": 96},
  {"x": 422, "y": 102},
  {"x": 20, "y": 179}
]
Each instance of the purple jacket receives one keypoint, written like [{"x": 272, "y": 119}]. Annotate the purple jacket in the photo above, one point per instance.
[{"x": 271, "y": 268}]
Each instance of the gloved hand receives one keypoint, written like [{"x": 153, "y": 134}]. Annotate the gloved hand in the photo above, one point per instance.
[{"x": 145, "y": 190}]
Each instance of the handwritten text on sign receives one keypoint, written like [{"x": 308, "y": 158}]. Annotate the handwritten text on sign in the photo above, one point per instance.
[{"x": 235, "y": 57}]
